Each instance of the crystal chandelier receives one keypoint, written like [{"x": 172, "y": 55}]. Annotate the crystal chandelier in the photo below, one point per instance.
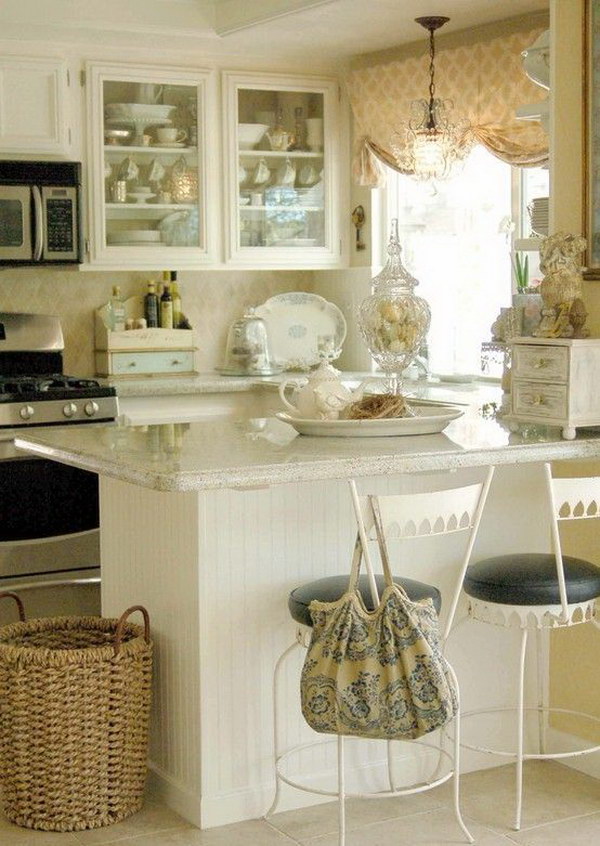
[{"x": 430, "y": 145}]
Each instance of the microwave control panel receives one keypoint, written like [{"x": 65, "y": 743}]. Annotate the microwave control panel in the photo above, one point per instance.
[{"x": 60, "y": 222}]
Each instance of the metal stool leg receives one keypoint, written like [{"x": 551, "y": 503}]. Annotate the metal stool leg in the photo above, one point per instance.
[
  {"x": 456, "y": 777},
  {"x": 341, "y": 793},
  {"x": 276, "y": 747},
  {"x": 541, "y": 675},
  {"x": 520, "y": 729}
]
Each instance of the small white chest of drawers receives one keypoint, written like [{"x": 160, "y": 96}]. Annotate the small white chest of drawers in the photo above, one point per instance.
[{"x": 556, "y": 381}]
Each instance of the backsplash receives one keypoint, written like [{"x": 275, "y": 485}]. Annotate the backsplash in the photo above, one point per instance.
[{"x": 211, "y": 300}]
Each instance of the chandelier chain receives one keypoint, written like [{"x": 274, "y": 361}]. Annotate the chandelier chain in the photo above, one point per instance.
[{"x": 431, "y": 68}]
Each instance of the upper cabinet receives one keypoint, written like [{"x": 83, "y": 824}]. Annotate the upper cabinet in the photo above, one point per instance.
[
  {"x": 33, "y": 107},
  {"x": 151, "y": 201},
  {"x": 282, "y": 153}
]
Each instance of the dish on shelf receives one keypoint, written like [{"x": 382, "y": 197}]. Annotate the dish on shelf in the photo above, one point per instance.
[
  {"x": 427, "y": 420},
  {"x": 166, "y": 144},
  {"x": 296, "y": 324},
  {"x": 536, "y": 60},
  {"x": 134, "y": 236},
  {"x": 130, "y": 111},
  {"x": 140, "y": 197}
]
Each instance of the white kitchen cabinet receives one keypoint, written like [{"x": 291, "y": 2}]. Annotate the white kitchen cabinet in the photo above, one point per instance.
[
  {"x": 283, "y": 161},
  {"x": 151, "y": 200},
  {"x": 33, "y": 106}
]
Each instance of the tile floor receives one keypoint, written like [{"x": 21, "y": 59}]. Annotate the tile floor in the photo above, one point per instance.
[{"x": 561, "y": 806}]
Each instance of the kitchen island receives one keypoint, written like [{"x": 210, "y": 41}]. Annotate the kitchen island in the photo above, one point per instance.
[{"x": 211, "y": 524}]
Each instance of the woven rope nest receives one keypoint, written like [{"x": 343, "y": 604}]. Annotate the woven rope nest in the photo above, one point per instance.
[
  {"x": 377, "y": 407},
  {"x": 74, "y": 719}
]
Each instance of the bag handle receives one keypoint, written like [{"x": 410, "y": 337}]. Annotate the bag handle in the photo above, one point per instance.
[
  {"x": 355, "y": 569},
  {"x": 17, "y": 599},
  {"x": 359, "y": 549},
  {"x": 123, "y": 620},
  {"x": 383, "y": 550}
]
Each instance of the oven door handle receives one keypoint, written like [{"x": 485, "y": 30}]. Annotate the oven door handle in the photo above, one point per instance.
[
  {"x": 39, "y": 223},
  {"x": 49, "y": 539},
  {"x": 52, "y": 583}
]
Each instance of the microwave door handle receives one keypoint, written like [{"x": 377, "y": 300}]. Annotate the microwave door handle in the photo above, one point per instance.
[{"x": 39, "y": 223}]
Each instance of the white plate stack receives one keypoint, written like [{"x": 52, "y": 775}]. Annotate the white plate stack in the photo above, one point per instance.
[{"x": 538, "y": 215}]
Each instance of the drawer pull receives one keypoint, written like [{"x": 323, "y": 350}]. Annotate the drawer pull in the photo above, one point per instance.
[
  {"x": 540, "y": 363},
  {"x": 175, "y": 362},
  {"x": 131, "y": 364},
  {"x": 536, "y": 399}
]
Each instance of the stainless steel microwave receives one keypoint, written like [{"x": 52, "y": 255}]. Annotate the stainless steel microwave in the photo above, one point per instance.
[{"x": 40, "y": 213}]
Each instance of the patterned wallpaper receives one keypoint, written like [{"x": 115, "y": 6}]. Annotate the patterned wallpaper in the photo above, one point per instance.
[{"x": 210, "y": 299}]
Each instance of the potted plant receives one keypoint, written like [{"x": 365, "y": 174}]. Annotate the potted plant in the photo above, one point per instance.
[{"x": 527, "y": 297}]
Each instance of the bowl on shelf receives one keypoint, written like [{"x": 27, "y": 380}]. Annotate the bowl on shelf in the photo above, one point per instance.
[
  {"x": 117, "y": 136},
  {"x": 250, "y": 134}
]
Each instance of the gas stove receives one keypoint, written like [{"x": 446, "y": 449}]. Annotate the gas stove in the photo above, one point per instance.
[{"x": 33, "y": 389}]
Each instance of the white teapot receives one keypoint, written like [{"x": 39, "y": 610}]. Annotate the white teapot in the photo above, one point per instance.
[{"x": 322, "y": 397}]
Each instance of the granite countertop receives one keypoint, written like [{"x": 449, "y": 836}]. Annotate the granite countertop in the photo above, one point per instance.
[
  {"x": 264, "y": 451},
  {"x": 199, "y": 383},
  {"x": 213, "y": 383}
]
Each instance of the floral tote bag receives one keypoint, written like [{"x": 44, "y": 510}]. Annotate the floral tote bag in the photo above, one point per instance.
[{"x": 380, "y": 673}]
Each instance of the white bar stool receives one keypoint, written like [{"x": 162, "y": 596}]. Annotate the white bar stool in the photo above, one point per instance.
[
  {"x": 403, "y": 516},
  {"x": 537, "y": 592}
]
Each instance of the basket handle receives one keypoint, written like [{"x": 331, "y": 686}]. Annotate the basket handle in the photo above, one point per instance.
[
  {"x": 123, "y": 620},
  {"x": 17, "y": 599}
]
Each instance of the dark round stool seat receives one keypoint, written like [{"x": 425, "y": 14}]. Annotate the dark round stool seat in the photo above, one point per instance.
[
  {"x": 332, "y": 587},
  {"x": 531, "y": 579}
]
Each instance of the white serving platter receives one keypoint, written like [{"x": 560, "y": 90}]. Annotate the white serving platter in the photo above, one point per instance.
[
  {"x": 427, "y": 421},
  {"x": 295, "y": 324}
]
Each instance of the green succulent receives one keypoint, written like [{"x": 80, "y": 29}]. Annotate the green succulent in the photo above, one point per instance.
[{"x": 520, "y": 268}]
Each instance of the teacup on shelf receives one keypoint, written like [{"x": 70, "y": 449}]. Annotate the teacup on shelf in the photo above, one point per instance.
[{"x": 170, "y": 135}]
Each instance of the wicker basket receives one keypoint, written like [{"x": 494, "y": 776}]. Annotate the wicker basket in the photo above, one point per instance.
[{"x": 74, "y": 712}]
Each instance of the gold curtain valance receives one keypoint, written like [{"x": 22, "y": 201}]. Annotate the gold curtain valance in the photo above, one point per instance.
[{"x": 486, "y": 83}]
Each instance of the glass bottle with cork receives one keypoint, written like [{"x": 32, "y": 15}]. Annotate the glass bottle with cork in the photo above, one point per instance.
[
  {"x": 177, "y": 315},
  {"x": 166, "y": 303},
  {"x": 116, "y": 310},
  {"x": 151, "y": 306}
]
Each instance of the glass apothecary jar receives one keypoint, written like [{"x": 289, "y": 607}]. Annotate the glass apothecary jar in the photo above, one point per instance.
[
  {"x": 149, "y": 189},
  {"x": 283, "y": 170},
  {"x": 393, "y": 320}
]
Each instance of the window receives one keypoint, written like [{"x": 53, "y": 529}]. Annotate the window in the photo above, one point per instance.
[{"x": 456, "y": 239}]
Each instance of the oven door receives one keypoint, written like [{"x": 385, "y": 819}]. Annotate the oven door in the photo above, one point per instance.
[
  {"x": 49, "y": 539},
  {"x": 16, "y": 236}
]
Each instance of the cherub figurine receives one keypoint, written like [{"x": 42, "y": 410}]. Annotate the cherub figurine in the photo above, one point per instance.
[{"x": 562, "y": 286}]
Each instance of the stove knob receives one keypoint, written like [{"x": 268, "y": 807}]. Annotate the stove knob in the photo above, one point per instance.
[
  {"x": 70, "y": 409},
  {"x": 26, "y": 412},
  {"x": 91, "y": 408}
]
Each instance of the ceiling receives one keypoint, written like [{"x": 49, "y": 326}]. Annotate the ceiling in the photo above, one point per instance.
[{"x": 299, "y": 31}]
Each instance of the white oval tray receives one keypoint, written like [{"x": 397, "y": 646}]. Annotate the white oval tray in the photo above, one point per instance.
[{"x": 427, "y": 421}]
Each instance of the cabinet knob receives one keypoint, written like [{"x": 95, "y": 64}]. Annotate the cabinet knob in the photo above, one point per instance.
[
  {"x": 540, "y": 363},
  {"x": 26, "y": 412},
  {"x": 175, "y": 362},
  {"x": 538, "y": 399},
  {"x": 131, "y": 364}
]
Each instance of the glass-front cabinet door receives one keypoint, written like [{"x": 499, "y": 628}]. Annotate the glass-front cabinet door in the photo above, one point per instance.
[
  {"x": 149, "y": 186},
  {"x": 282, "y": 148}
]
